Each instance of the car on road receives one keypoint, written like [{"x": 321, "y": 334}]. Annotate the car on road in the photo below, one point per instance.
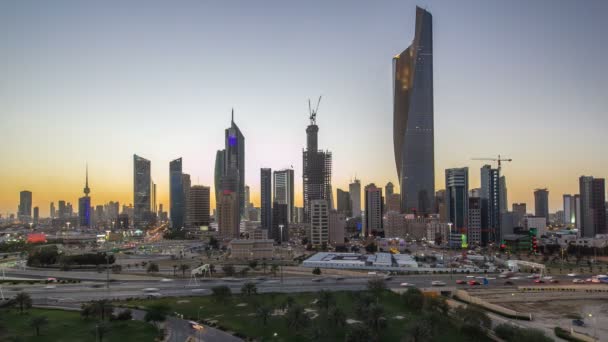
[
  {"x": 166, "y": 280},
  {"x": 437, "y": 283},
  {"x": 460, "y": 282},
  {"x": 554, "y": 281},
  {"x": 539, "y": 281},
  {"x": 469, "y": 276},
  {"x": 154, "y": 295},
  {"x": 474, "y": 282},
  {"x": 572, "y": 274},
  {"x": 578, "y": 281},
  {"x": 196, "y": 326},
  {"x": 150, "y": 289},
  {"x": 578, "y": 322},
  {"x": 508, "y": 282},
  {"x": 339, "y": 278},
  {"x": 48, "y": 287},
  {"x": 317, "y": 279},
  {"x": 406, "y": 285}
]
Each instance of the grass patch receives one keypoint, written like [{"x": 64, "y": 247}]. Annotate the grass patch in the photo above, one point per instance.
[
  {"x": 68, "y": 326},
  {"x": 242, "y": 319}
]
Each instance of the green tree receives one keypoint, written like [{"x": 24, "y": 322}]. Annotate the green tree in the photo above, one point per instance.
[
  {"x": 418, "y": 330},
  {"x": 413, "y": 299},
  {"x": 221, "y": 293},
  {"x": 436, "y": 305},
  {"x": 376, "y": 286},
  {"x": 371, "y": 248},
  {"x": 23, "y": 301},
  {"x": 249, "y": 289},
  {"x": 38, "y": 322},
  {"x": 253, "y": 264},
  {"x": 375, "y": 320},
  {"x": 174, "y": 269},
  {"x": 289, "y": 302},
  {"x": 157, "y": 313},
  {"x": 316, "y": 271},
  {"x": 263, "y": 314},
  {"x": 274, "y": 269},
  {"x": 296, "y": 318},
  {"x": 100, "y": 330},
  {"x": 214, "y": 243},
  {"x": 337, "y": 317},
  {"x": 325, "y": 300},
  {"x": 264, "y": 266},
  {"x": 358, "y": 333},
  {"x": 86, "y": 310},
  {"x": 152, "y": 268},
  {"x": 184, "y": 268},
  {"x": 228, "y": 270},
  {"x": 102, "y": 308},
  {"x": 473, "y": 316}
]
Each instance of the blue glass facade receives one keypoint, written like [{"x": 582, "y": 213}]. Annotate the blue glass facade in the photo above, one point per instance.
[
  {"x": 176, "y": 193},
  {"x": 413, "y": 112}
]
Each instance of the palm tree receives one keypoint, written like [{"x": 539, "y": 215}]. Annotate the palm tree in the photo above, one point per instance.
[
  {"x": 418, "y": 330},
  {"x": 174, "y": 269},
  {"x": 289, "y": 301},
  {"x": 249, "y": 289},
  {"x": 101, "y": 307},
  {"x": 296, "y": 318},
  {"x": 263, "y": 313},
  {"x": 375, "y": 320},
  {"x": 23, "y": 300},
  {"x": 152, "y": 268},
  {"x": 184, "y": 268},
  {"x": 325, "y": 299},
  {"x": 100, "y": 330},
  {"x": 274, "y": 269},
  {"x": 38, "y": 322},
  {"x": 264, "y": 266},
  {"x": 337, "y": 317}
]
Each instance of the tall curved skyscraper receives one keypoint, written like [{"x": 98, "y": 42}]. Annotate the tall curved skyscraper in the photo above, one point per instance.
[{"x": 413, "y": 135}]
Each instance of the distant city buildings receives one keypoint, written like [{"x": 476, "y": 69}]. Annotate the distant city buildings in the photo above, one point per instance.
[
  {"x": 503, "y": 201},
  {"x": 84, "y": 204},
  {"x": 199, "y": 206},
  {"x": 177, "y": 208},
  {"x": 319, "y": 222},
  {"x": 337, "y": 226},
  {"x": 266, "y": 198},
  {"x": 283, "y": 190},
  {"x": 280, "y": 222},
  {"x": 228, "y": 215},
  {"x": 474, "y": 221},
  {"x": 593, "y": 206},
  {"x": 413, "y": 135},
  {"x": 354, "y": 191},
  {"x": 374, "y": 203},
  {"x": 25, "y": 206},
  {"x": 571, "y": 209},
  {"x": 343, "y": 202},
  {"x": 316, "y": 173},
  {"x": 541, "y": 203},
  {"x": 490, "y": 206},
  {"x": 457, "y": 197},
  {"x": 141, "y": 191}
]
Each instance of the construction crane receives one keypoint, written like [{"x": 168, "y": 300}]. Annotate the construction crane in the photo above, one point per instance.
[
  {"x": 313, "y": 113},
  {"x": 499, "y": 160}
]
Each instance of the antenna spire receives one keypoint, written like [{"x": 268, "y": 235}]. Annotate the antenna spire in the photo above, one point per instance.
[
  {"x": 232, "y": 119},
  {"x": 86, "y": 186}
]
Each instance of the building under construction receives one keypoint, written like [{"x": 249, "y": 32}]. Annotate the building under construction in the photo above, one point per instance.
[{"x": 317, "y": 168}]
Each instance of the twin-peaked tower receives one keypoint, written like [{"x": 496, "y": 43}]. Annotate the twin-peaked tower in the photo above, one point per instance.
[{"x": 413, "y": 119}]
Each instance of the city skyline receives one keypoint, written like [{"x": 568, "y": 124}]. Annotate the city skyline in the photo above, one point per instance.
[{"x": 60, "y": 124}]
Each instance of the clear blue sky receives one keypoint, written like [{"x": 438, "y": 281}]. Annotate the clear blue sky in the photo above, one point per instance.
[{"x": 99, "y": 81}]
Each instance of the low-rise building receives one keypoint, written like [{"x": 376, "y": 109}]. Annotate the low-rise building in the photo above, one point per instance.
[
  {"x": 377, "y": 261},
  {"x": 251, "y": 249}
]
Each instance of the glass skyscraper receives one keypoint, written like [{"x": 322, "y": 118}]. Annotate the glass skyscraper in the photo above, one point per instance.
[
  {"x": 176, "y": 193},
  {"x": 413, "y": 119},
  {"x": 141, "y": 190}
]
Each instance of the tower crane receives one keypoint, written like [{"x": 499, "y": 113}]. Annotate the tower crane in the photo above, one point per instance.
[
  {"x": 313, "y": 113},
  {"x": 499, "y": 160}
]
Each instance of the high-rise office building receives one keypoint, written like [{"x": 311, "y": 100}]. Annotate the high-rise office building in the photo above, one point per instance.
[
  {"x": 413, "y": 135},
  {"x": 186, "y": 185},
  {"x": 519, "y": 212},
  {"x": 234, "y": 160},
  {"x": 490, "y": 205},
  {"x": 218, "y": 174},
  {"x": 283, "y": 190},
  {"x": 393, "y": 203},
  {"x": 593, "y": 206},
  {"x": 337, "y": 225},
  {"x": 280, "y": 222},
  {"x": 228, "y": 215},
  {"x": 343, "y": 202},
  {"x": 457, "y": 197},
  {"x": 373, "y": 210},
  {"x": 141, "y": 190},
  {"x": 541, "y": 203},
  {"x": 389, "y": 189},
  {"x": 504, "y": 203},
  {"x": 177, "y": 207},
  {"x": 319, "y": 222},
  {"x": 247, "y": 196},
  {"x": 440, "y": 207},
  {"x": 52, "y": 210},
  {"x": 316, "y": 175},
  {"x": 62, "y": 208},
  {"x": 577, "y": 206},
  {"x": 354, "y": 190},
  {"x": 474, "y": 221},
  {"x": 84, "y": 204},
  {"x": 266, "y": 198},
  {"x": 36, "y": 215},
  {"x": 569, "y": 210},
  {"x": 199, "y": 205},
  {"x": 25, "y": 205}
]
